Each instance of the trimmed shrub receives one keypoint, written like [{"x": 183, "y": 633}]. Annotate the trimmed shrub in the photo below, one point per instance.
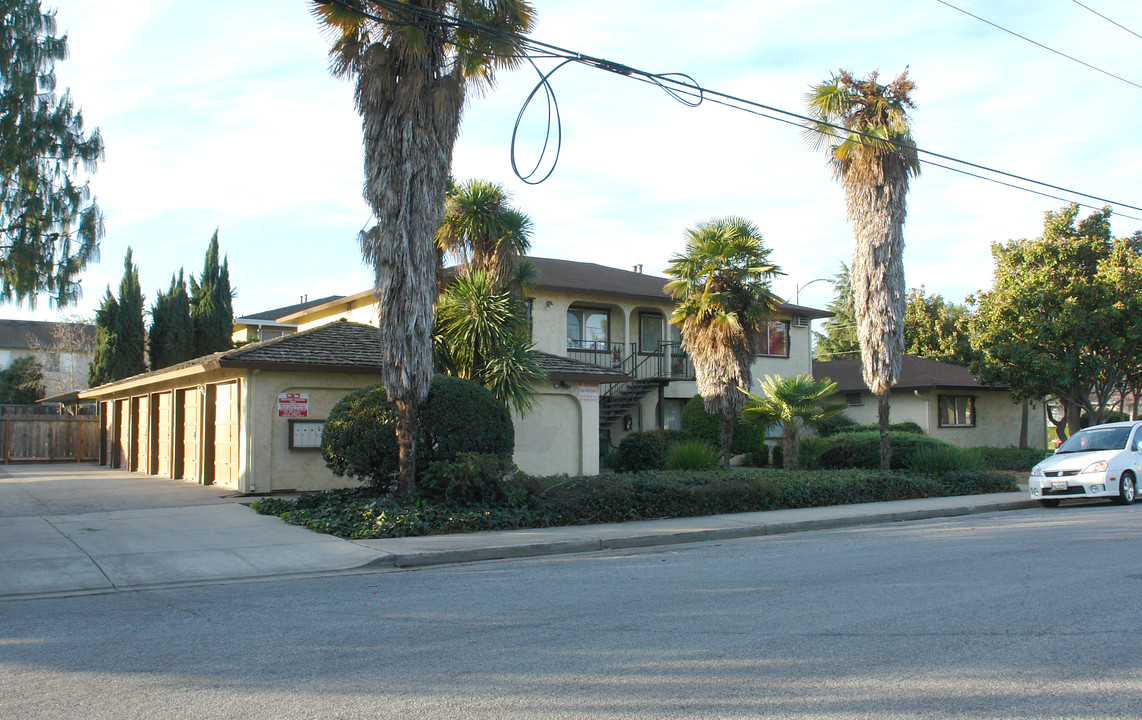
[
  {"x": 862, "y": 449},
  {"x": 1010, "y": 458},
  {"x": 458, "y": 416},
  {"x": 942, "y": 459},
  {"x": 777, "y": 459},
  {"x": 693, "y": 455},
  {"x": 907, "y": 426},
  {"x": 701, "y": 425},
  {"x": 645, "y": 450},
  {"x": 834, "y": 425},
  {"x": 461, "y": 416},
  {"x": 976, "y": 482},
  {"x": 472, "y": 479}
]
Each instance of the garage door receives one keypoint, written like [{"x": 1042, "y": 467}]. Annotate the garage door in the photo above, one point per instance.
[
  {"x": 161, "y": 456},
  {"x": 122, "y": 443},
  {"x": 187, "y": 444},
  {"x": 140, "y": 443},
  {"x": 223, "y": 406}
]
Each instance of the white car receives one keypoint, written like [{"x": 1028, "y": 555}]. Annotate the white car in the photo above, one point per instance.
[{"x": 1101, "y": 461}]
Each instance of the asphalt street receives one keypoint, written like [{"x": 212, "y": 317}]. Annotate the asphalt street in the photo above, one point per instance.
[{"x": 1021, "y": 614}]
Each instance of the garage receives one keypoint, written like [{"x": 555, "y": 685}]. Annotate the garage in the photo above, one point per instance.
[{"x": 250, "y": 419}]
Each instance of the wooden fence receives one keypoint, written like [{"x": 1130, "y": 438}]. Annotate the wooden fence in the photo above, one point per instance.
[{"x": 47, "y": 438}]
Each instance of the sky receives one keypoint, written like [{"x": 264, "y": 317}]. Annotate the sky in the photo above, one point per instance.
[{"x": 222, "y": 115}]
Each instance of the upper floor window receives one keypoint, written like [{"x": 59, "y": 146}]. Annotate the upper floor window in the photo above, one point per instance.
[
  {"x": 588, "y": 329},
  {"x": 956, "y": 410},
  {"x": 774, "y": 340},
  {"x": 650, "y": 332}
]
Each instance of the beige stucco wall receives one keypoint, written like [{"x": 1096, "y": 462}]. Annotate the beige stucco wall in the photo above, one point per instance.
[
  {"x": 997, "y": 418},
  {"x": 363, "y": 310},
  {"x": 560, "y": 434}
]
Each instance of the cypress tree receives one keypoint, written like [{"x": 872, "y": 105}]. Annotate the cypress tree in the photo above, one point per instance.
[
  {"x": 171, "y": 339},
  {"x": 120, "y": 337},
  {"x": 211, "y": 311},
  {"x": 99, "y": 372}
]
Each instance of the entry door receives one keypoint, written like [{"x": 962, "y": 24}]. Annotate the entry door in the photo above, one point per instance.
[
  {"x": 224, "y": 415},
  {"x": 187, "y": 436}
]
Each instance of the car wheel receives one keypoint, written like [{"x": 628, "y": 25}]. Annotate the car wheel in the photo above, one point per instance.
[
  {"x": 1049, "y": 503},
  {"x": 1126, "y": 489}
]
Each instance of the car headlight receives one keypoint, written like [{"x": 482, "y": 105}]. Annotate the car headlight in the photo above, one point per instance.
[
  {"x": 1036, "y": 471},
  {"x": 1099, "y": 466}
]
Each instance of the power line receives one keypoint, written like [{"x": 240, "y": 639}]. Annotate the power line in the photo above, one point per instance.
[
  {"x": 1039, "y": 44},
  {"x": 680, "y": 86},
  {"x": 1096, "y": 12}
]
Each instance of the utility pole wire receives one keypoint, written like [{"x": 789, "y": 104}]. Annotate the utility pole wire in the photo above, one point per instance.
[
  {"x": 1039, "y": 44},
  {"x": 1096, "y": 12},
  {"x": 682, "y": 87}
]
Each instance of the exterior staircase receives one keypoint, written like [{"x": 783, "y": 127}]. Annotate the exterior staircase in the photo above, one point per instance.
[{"x": 648, "y": 370}]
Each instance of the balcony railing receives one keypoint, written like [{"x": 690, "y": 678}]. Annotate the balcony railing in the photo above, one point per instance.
[{"x": 665, "y": 361}]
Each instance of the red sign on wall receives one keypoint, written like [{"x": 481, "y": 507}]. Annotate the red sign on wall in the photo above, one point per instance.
[{"x": 293, "y": 405}]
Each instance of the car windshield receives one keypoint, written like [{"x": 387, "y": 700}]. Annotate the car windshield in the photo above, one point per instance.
[{"x": 1096, "y": 439}]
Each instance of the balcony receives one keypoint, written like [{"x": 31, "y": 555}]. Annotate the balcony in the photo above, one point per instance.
[{"x": 665, "y": 362}]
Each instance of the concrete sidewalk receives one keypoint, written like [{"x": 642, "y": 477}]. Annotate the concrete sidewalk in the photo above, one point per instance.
[{"x": 205, "y": 537}]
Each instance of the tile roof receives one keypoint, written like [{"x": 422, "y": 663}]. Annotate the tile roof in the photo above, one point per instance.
[
  {"x": 15, "y": 333},
  {"x": 278, "y": 313},
  {"x": 916, "y": 373},
  {"x": 564, "y": 368},
  {"x": 340, "y": 346}
]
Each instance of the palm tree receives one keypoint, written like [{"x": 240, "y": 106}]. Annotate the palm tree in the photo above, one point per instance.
[
  {"x": 481, "y": 231},
  {"x": 873, "y": 157},
  {"x": 414, "y": 63},
  {"x": 721, "y": 284},
  {"x": 794, "y": 403},
  {"x": 481, "y": 335}
]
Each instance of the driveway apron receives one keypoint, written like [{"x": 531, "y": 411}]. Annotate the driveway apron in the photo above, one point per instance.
[{"x": 75, "y": 528}]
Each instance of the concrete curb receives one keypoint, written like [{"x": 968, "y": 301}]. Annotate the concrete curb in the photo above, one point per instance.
[{"x": 452, "y": 556}]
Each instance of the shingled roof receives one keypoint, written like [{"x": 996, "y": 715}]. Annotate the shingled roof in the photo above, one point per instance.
[
  {"x": 916, "y": 373},
  {"x": 341, "y": 346},
  {"x": 277, "y": 314}
]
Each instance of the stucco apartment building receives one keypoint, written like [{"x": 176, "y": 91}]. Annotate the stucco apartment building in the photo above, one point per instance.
[{"x": 250, "y": 418}]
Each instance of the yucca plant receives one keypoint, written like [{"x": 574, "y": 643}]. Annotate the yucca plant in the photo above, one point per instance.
[{"x": 693, "y": 455}]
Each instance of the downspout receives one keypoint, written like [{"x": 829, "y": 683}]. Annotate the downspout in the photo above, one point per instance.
[
  {"x": 927, "y": 412},
  {"x": 244, "y": 432}
]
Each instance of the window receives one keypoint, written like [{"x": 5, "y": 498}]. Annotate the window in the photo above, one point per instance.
[
  {"x": 774, "y": 340},
  {"x": 956, "y": 411},
  {"x": 588, "y": 329},
  {"x": 649, "y": 333},
  {"x": 854, "y": 399}
]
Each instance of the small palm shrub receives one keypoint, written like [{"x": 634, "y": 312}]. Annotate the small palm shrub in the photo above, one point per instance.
[
  {"x": 693, "y": 455},
  {"x": 809, "y": 451}
]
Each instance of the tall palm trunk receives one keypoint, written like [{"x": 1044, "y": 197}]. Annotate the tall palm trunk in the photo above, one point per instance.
[
  {"x": 410, "y": 117},
  {"x": 876, "y": 188}
]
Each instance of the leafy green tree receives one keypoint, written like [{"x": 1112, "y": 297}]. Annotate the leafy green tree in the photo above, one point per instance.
[
  {"x": 874, "y": 158},
  {"x": 839, "y": 341},
  {"x": 481, "y": 335},
  {"x": 120, "y": 336},
  {"x": 171, "y": 339},
  {"x": 721, "y": 285},
  {"x": 211, "y": 308},
  {"x": 23, "y": 382},
  {"x": 793, "y": 403},
  {"x": 937, "y": 329},
  {"x": 414, "y": 65},
  {"x": 1063, "y": 317},
  {"x": 49, "y": 225}
]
